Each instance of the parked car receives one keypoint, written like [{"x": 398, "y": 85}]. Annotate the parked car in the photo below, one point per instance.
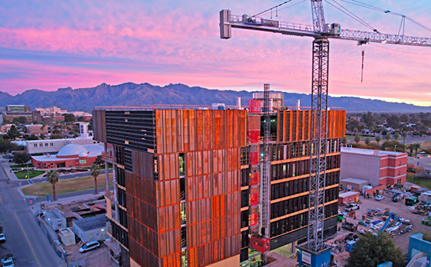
[
  {"x": 2, "y": 238},
  {"x": 89, "y": 246},
  {"x": 351, "y": 207},
  {"x": 7, "y": 262},
  {"x": 380, "y": 197}
]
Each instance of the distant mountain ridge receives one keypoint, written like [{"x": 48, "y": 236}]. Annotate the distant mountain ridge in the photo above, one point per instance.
[{"x": 142, "y": 94}]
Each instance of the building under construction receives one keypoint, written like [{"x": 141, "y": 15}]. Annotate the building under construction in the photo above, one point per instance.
[{"x": 188, "y": 179}]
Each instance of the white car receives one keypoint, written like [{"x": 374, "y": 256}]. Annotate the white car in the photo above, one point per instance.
[
  {"x": 380, "y": 197},
  {"x": 352, "y": 207},
  {"x": 2, "y": 238},
  {"x": 89, "y": 246},
  {"x": 7, "y": 262}
]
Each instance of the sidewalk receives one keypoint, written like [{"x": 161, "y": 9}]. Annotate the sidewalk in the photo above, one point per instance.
[{"x": 9, "y": 173}]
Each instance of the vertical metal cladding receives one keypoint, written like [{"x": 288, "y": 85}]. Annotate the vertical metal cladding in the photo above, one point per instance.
[
  {"x": 203, "y": 148},
  {"x": 295, "y": 125},
  {"x": 99, "y": 122}
]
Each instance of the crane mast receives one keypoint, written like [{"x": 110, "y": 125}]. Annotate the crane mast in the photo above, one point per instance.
[
  {"x": 321, "y": 32},
  {"x": 318, "y": 15}
]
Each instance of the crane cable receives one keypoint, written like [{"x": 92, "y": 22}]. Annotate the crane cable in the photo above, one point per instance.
[
  {"x": 386, "y": 11},
  {"x": 352, "y": 15}
]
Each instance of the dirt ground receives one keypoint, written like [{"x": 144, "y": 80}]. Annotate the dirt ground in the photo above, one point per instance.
[
  {"x": 97, "y": 258},
  {"x": 400, "y": 241}
]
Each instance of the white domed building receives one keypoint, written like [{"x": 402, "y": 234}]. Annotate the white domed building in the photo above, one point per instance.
[{"x": 72, "y": 155}]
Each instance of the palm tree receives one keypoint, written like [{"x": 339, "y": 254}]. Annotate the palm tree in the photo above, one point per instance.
[
  {"x": 404, "y": 134},
  {"x": 95, "y": 171},
  {"x": 367, "y": 140},
  {"x": 388, "y": 137},
  {"x": 52, "y": 177},
  {"x": 378, "y": 139},
  {"x": 396, "y": 136},
  {"x": 357, "y": 138},
  {"x": 344, "y": 140}
]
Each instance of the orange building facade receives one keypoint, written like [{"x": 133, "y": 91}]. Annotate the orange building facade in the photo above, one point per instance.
[{"x": 187, "y": 181}]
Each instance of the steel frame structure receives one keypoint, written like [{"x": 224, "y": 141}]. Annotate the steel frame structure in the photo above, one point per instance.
[
  {"x": 266, "y": 163},
  {"x": 318, "y": 140}
]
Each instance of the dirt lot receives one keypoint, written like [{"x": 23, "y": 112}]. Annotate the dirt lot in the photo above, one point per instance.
[
  {"x": 401, "y": 241},
  {"x": 98, "y": 257}
]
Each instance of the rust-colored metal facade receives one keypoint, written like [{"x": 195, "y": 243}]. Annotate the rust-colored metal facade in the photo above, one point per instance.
[
  {"x": 181, "y": 181},
  {"x": 186, "y": 180},
  {"x": 289, "y": 154}
]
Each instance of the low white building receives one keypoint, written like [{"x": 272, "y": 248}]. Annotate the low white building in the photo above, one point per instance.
[
  {"x": 91, "y": 228},
  {"x": 55, "y": 219}
]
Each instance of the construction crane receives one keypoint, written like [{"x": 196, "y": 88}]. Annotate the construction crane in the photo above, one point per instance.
[{"x": 321, "y": 31}]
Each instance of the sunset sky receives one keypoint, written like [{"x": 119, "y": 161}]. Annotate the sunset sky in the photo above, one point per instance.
[{"x": 51, "y": 44}]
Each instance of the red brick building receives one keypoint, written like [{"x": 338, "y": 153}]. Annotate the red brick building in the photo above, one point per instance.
[{"x": 376, "y": 166}]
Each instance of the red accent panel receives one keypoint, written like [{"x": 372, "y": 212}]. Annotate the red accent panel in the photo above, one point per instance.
[
  {"x": 254, "y": 177},
  {"x": 253, "y": 219},
  {"x": 254, "y": 106},
  {"x": 260, "y": 244}
]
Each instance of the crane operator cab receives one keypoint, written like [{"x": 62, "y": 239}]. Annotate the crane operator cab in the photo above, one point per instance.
[{"x": 332, "y": 29}]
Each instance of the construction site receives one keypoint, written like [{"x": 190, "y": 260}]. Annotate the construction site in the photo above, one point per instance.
[{"x": 228, "y": 185}]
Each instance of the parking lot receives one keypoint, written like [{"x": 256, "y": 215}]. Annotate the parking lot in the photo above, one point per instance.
[{"x": 401, "y": 241}]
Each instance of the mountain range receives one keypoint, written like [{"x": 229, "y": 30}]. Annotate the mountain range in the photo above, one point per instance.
[{"x": 143, "y": 94}]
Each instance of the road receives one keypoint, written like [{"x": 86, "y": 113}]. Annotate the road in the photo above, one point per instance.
[{"x": 25, "y": 239}]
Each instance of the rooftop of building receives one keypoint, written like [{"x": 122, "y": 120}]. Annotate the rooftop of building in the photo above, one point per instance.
[
  {"x": 216, "y": 106},
  {"x": 348, "y": 194},
  {"x": 73, "y": 151},
  {"x": 90, "y": 223},
  {"x": 54, "y": 214},
  {"x": 354, "y": 181},
  {"x": 371, "y": 152}
]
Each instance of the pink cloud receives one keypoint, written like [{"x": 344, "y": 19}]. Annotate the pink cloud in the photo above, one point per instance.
[{"x": 116, "y": 43}]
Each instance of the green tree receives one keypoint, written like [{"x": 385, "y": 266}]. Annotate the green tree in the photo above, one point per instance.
[
  {"x": 31, "y": 137},
  {"x": 357, "y": 138},
  {"x": 404, "y": 134},
  {"x": 21, "y": 157},
  {"x": 13, "y": 132},
  {"x": 95, "y": 171},
  {"x": 344, "y": 140},
  {"x": 52, "y": 177},
  {"x": 69, "y": 117},
  {"x": 370, "y": 251},
  {"x": 81, "y": 119},
  {"x": 6, "y": 146},
  {"x": 56, "y": 136},
  {"x": 367, "y": 140},
  {"x": 378, "y": 139},
  {"x": 355, "y": 130},
  {"x": 42, "y": 136},
  {"x": 396, "y": 136},
  {"x": 388, "y": 137},
  {"x": 99, "y": 160}
]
